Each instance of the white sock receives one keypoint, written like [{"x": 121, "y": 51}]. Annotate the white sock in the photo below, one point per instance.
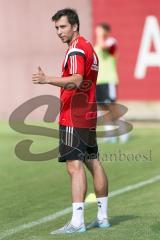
[
  {"x": 102, "y": 203},
  {"x": 77, "y": 214},
  {"x": 109, "y": 128},
  {"x": 123, "y": 138}
]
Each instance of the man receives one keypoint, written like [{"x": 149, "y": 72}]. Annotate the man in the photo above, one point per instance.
[
  {"x": 77, "y": 120},
  {"x": 107, "y": 81}
]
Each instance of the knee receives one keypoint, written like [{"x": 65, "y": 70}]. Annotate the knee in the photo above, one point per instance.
[
  {"x": 93, "y": 166},
  {"x": 74, "y": 167}
]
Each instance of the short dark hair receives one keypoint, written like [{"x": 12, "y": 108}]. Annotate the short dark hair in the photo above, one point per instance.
[
  {"x": 71, "y": 15},
  {"x": 105, "y": 26}
]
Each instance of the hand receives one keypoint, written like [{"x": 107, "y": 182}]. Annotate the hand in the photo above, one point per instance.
[{"x": 40, "y": 77}]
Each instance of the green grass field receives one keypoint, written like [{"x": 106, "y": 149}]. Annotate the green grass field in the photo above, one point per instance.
[{"x": 30, "y": 191}]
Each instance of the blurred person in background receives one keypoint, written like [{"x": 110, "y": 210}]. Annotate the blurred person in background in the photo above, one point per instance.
[{"x": 107, "y": 81}]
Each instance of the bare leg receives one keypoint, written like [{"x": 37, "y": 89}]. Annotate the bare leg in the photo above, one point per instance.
[
  {"x": 78, "y": 188},
  {"x": 78, "y": 180},
  {"x": 100, "y": 180},
  {"x": 113, "y": 117},
  {"x": 101, "y": 190}
]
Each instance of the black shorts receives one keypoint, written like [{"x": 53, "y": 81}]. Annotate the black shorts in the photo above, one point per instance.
[
  {"x": 77, "y": 144},
  {"x": 106, "y": 93}
]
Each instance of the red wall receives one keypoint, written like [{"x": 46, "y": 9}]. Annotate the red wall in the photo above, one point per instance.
[{"x": 127, "y": 19}]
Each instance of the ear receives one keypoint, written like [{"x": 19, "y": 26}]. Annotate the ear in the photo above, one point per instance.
[{"x": 75, "y": 27}]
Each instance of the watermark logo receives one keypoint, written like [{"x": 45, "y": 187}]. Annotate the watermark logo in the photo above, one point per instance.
[
  {"x": 119, "y": 156},
  {"x": 18, "y": 117}
]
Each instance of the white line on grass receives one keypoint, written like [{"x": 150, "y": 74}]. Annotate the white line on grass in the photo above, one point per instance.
[{"x": 68, "y": 210}]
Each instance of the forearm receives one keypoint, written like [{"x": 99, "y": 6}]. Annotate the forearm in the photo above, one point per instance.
[
  {"x": 64, "y": 81},
  {"x": 72, "y": 81}
]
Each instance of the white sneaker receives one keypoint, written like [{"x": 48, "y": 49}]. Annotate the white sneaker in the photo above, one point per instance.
[
  {"x": 69, "y": 228},
  {"x": 99, "y": 223}
]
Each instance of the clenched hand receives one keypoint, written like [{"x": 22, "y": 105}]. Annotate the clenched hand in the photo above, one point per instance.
[{"x": 40, "y": 77}]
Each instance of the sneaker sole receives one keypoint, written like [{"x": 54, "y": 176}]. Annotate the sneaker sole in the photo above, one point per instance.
[
  {"x": 82, "y": 230},
  {"x": 99, "y": 226},
  {"x": 67, "y": 232}
]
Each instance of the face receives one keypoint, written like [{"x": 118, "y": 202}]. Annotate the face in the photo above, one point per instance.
[
  {"x": 101, "y": 33},
  {"x": 65, "y": 30}
]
